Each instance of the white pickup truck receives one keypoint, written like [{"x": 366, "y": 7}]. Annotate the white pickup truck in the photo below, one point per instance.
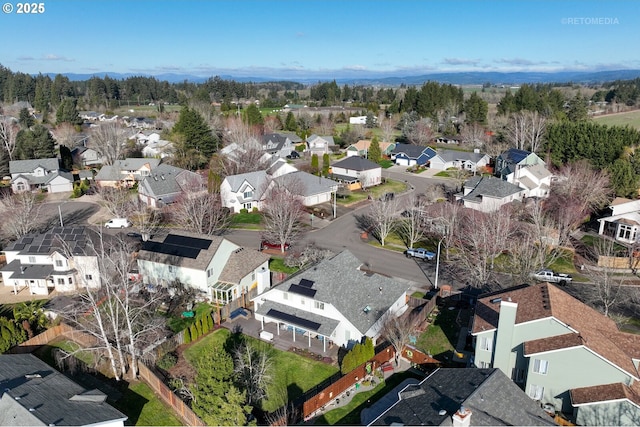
[
  {"x": 420, "y": 253},
  {"x": 547, "y": 275}
]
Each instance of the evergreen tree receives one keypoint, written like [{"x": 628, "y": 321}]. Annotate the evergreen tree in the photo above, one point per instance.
[
  {"x": 315, "y": 164},
  {"x": 326, "y": 164},
  {"x": 375, "y": 154},
  {"x": 623, "y": 178},
  {"x": 66, "y": 160},
  {"x": 68, "y": 112},
  {"x": 36, "y": 143},
  {"x": 10, "y": 334},
  {"x": 26, "y": 119},
  {"x": 476, "y": 109},
  {"x": 290, "y": 122},
  {"x": 577, "y": 109},
  {"x": 369, "y": 349},
  {"x": 253, "y": 115},
  {"x": 195, "y": 132}
]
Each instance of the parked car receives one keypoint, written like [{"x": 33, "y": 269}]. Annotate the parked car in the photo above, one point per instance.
[
  {"x": 386, "y": 197},
  {"x": 294, "y": 155},
  {"x": 268, "y": 245},
  {"x": 118, "y": 223},
  {"x": 550, "y": 276},
  {"x": 420, "y": 253}
]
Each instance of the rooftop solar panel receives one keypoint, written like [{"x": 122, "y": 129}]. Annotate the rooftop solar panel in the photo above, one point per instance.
[
  {"x": 27, "y": 240},
  {"x": 19, "y": 246},
  {"x": 189, "y": 242},
  {"x": 167, "y": 249},
  {"x": 293, "y": 320},
  {"x": 33, "y": 248},
  {"x": 301, "y": 290},
  {"x": 306, "y": 283}
]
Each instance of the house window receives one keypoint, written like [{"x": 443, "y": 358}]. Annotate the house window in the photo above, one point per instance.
[
  {"x": 247, "y": 206},
  {"x": 60, "y": 281},
  {"x": 536, "y": 392},
  {"x": 20, "y": 186},
  {"x": 248, "y": 194},
  {"x": 88, "y": 277},
  {"x": 540, "y": 366},
  {"x": 483, "y": 365},
  {"x": 32, "y": 260},
  {"x": 171, "y": 269},
  {"x": 253, "y": 276},
  {"x": 70, "y": 280},
  {"x": 518, "y": 375},
  {"x": 302, "y": 301},
  {"x": 486, "y": 343},
  {"x": 319, "y": 305},
  {"x": 209, "y": 272},
  {"x": 285, "y": 295},
  {"x": 626, "y": 232},
  {"x": 59, "y": 263}
]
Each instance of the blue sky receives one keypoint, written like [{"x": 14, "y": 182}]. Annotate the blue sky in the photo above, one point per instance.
[{"x": 328, "y": 38}]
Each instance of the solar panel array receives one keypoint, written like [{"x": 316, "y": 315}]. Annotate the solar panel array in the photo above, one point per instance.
[
  {"x": 181, "y": 246},
  {"x": 302, "y": 290},
  {"x": 74, "y": 238},
  {"x": 294, "y": 320},
  {"x": 306, "y": 283}
]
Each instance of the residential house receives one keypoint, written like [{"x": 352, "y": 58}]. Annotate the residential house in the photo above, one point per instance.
[
  {"x": 624, "y": 222},
  {"x": 559, "y": 350},
  {"x": 278, "y": 144},
  {"x": 453, "y": 159},
  {"x": 89, "y": 115},
  {"x": 246, "y": 191},
  {"x": 361, "y": 148},
  {"x": 320, "y": 145},
  {"x": 126, "y": 172},
  {"x": 535, "y": 179},
  {"x": 448, "y": 139},
  {"x": 39, "y": 174},
  {"x": 358, "y": 120},
  {"x": 488, "y": 194},
  {"x": 217, "y": 268},
  {"x": 235, "y": 152},
  {"x": 410, "y": 155},
  {"x": 158, "y": 149},
  {"x": 166, "y": 184},
  {"x": 357, "y": 172},
  {"x": 457, "y": 396},
  {"x": 333, "y": 301},
  {"x": 35, "y": 394},
  {"x": 512, "y": 159},
  {"x": 85, "y": 156},
  {"x": 60, "y": 259},
  {"x": 140, "y": 122}
]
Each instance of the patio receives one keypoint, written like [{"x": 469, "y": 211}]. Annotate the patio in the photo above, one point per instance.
[{"x": 283, "y": 339}]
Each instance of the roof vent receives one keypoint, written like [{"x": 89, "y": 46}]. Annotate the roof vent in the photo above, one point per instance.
[
  {"x": 367, "y": 309},
  {"x": 442, "y": 412},
  {"x": 495, "y": 300},
  {"x": 31, "y": 376},
  {"x": 32, "y": 410}
]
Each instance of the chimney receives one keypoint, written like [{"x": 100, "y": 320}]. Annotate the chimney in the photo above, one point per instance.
[
  {"x": 462, "y": 417},
  {"x": 21, "y": 269}
]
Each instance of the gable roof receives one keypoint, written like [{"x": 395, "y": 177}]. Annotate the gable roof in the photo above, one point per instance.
[
  {"x": 603, "y": 393},
  {"x": 539, "y": 171},
  {"x": 514, "y": 155},
  {"x": 240, "y": 263},
  {"x": 255, "y": 179},
  {"x": 455, "y": 155},
  {"x": 492, "y": 398},
  {"x": 35, "y": 393},
  {"x": 339, "y": 282},
  {"x": 311, "y": 184},
  {"x": 77, "y": 239},
  {"x": 328, "y": 139},
  {"x": 356, "y": 163},
  {"x": 28, "y": 166},
  {"x": 489, "y": 186},
  {"x": 181, "y": 249},
  {"x": 413, "y": 151},
  {"x": 166, "y": 179},
  {"x": 136, "y": 163},
  {"x": 540, "y": 301}
]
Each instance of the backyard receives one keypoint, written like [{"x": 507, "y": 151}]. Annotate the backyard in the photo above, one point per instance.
[{"x": 390, "y": 186}]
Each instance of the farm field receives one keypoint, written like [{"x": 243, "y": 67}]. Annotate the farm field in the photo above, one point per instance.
[{"x": 631, "y": 118}]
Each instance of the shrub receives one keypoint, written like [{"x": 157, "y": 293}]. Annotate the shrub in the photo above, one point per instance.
[
  {"x": 244, "y": 211},
  {"x": 254, "y": 209},
  {"x": 167, "y": 361},
  {"x": 187, "y": 336},
  {"x": 194, "y": 332}
]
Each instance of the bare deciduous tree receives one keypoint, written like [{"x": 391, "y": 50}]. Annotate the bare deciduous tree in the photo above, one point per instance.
[
  {"x": 272, "y": 124},
  {"x": 387, "y": 128},
  {"x": 473, "y": 135},
  {"x": 109, "y": 140},
  {"x": 446, "y": 218},
  {"x": 383, "y": 215},
  {"x": 247, "y": 157},
  {"x": 21, "y": 214},
  {"x": 309, "y": 255},
  {"x": 418, "y": 132},
  {"x": 8, "y": 131},
  {"x": 116, "y": 200},
  {"x": 412, "y": 225},
  {"x": 526, "y": 130},
  {"x": 283, "y": 211},
  {"x": 200, "y": 211},
  {"x": 253, "y": 368},
  {"x": 325, "y": 126},
  {"x": 399, "y": 329},
  {"x": 606, "y": 282},
  {"x": 65, "y": 134},
  {"x": 145, "y": 219},
  {"x": 239, "y": 132}
]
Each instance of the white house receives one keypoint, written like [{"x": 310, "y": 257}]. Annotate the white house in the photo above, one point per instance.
[
  {"x": 126, "y": 172},
  {"x": 466, "y": 160},
  {"x": 279, "y": 144},
  {"x": 624, "y": 222},
  {"x": 313, "y": 189},
  {"x": 333, "y": 301},
  {"x": 219, "y": 269},
  {"x": 488, "y": 193},
  {"x": 35, "y": 394},
  {"x": 356, "y": 170},
  {"x": 358, "y": 120},
  {"x": 320, "y": 145},
  {"x": 535, "y": 179},
  {"x": 41, "y": 263},
  {"x": 45, "y": 174},
  {"x": 512, "y": 159},
  {"x": 85, "y": 156},
  {"x": 243, "y": 191}
]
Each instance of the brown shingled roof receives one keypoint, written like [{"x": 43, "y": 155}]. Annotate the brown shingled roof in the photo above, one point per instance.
[
  {"x": 603, "y": 393},
  {"x": 599, "y": 333},
  {"x": 552, "y": 343},
  {"x": 241, "y": 262}
]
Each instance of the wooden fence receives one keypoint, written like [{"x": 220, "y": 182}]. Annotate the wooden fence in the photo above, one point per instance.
[{"x": 620, "y": 263}]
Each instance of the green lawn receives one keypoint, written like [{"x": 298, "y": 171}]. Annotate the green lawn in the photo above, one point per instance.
[
  {"x": 246, "y": 218},
  {"x": 440, "y": 337},
  {"x": 386, "y": 163},
  {"x": 632, "y": 118},
  {"x": 293, "y": 373},
  {"x": 177, "y": 324},
  {"x": 443, "y": 174},
  {"x": 277, "y": 264},
  {"x": 144, "y": 408},
  {"x": 350, "y": 413}
]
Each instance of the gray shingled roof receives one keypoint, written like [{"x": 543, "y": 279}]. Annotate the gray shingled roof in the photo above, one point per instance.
[
  {"x": 356, "y": 163},
  {"x": 108, "y": 173},
  {"x": 489, "y": 186},
  {"x": 28, "y": 271},
  {"x": 115, "y": 172},
  {"x": 166, "y": 180},
  {"x": 255, "y": 179},
  {"x": 492, "y": 398},
  {"x": 452, "y": 155},
  {"x": 28, "y": 166},
  {"x": 312, "y": 184},
  {"x": 313, "y": 137},
  {"x": 35, "y": 393},
  {"x": 155, "y": 250},
  {"x": 339, "y": 282}
]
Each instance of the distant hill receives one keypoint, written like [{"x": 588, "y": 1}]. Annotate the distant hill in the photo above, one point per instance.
[{"x": 458, "y": 78}]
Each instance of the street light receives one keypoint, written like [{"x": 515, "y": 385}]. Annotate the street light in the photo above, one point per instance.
[{"x": 437, "y": 264}]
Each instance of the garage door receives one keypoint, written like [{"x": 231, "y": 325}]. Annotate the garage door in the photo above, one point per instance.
[{"x": 402, "y": 162}]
